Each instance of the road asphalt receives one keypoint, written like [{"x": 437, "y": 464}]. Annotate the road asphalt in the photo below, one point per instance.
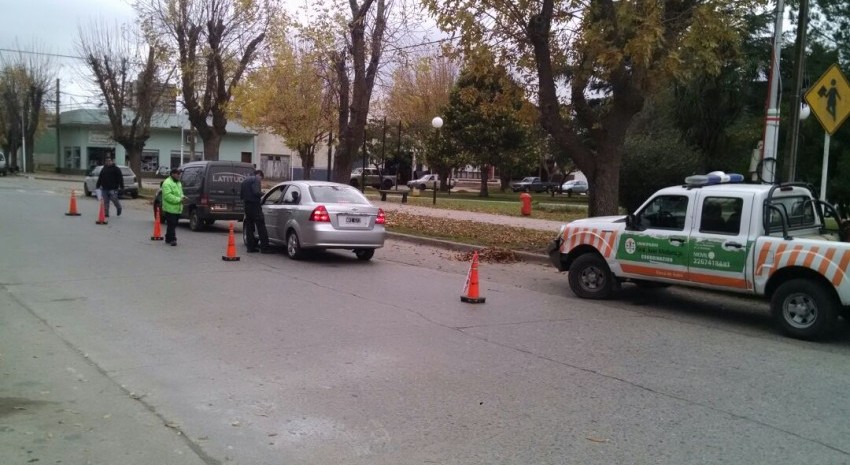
[{"x": 395, "y": 205}]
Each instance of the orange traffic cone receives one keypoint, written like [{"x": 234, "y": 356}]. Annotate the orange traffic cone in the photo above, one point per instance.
[
  {"x": 101, "y": 217},
  {"x": 72, "y": 207},
  {"x": 231, "y": 247},
  {"x": 470, "y": 289},
  {"x": 157, "y": 233}
]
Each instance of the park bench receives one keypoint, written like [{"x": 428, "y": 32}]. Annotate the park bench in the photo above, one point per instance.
[{"x": 403, "y": 195}]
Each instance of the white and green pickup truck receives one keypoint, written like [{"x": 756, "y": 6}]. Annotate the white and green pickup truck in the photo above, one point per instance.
[{"x": 762, "y": 239}]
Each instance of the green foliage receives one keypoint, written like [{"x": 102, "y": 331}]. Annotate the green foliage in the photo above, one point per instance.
[{"x": 484, "y": 117}]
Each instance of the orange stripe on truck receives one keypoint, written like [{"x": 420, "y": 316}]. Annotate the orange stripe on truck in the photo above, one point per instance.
[
  {"x": 827, "y": 259},
  {"x": 839, "y": 273},
  {"x": 810, "y": 257},
  {"x": 762, "y": 257},
  {"x": 737, "y": 283}
]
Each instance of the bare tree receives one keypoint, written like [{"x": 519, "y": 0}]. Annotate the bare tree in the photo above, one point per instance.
[
  {"x": 213, "y": 41},
  {"x": 24, "y": 82},
  {"x": 126, "y": 68},
  {"x": 354, "y": 107}
]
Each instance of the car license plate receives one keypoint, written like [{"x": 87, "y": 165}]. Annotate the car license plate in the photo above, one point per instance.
[
  {"x": 219, "y": 207},
  {"x": 353, "y": 221}
]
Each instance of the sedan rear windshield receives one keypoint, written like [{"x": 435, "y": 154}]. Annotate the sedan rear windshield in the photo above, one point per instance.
[{"x": 337, "y": 194}]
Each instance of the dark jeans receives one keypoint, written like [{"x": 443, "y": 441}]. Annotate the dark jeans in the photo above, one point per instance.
[
  {"x": 170, "y": 226},
  {"x": 110, "y": 195},
  {"x": 254, "y": 218}
]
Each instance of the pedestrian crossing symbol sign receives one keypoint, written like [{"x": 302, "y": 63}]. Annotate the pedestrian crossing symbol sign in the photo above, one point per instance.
[{"x": 829, "y": 99}]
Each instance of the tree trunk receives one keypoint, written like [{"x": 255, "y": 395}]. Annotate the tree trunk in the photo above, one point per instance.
[
  {"x": 211, "y": 146},
  {"x": 443, "y": 172},
  {"x": 306, "y": 153},
  {"x": 602, "y": 199},
  {"x": 134, "y": 157},
  {"x": 485, "y": 173}
]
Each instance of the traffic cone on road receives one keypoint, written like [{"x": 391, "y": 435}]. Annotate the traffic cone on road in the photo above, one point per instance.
[
  {"x": 157, "y": 232},
  {"x": 231, "y": 247},
  {"x": 470, "y": 289},
  {"x": 72, "y": 207},
  {"x": 101, "y": 217}
]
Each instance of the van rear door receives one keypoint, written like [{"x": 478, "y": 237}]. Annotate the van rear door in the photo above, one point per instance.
[{"x": 224, "y": 183}]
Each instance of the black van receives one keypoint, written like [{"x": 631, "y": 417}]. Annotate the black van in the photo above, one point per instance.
[{"x": 213, "y": 191}]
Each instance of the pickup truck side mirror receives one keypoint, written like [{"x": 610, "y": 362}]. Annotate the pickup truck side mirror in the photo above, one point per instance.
[{"x": 632, "y": 223}]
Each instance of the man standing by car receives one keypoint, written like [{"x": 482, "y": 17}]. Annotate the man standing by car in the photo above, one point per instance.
[
  {"x": 252, "y": 195},
  {"x": 109, "y": 182},
  {"x": 172, "y": 205}
]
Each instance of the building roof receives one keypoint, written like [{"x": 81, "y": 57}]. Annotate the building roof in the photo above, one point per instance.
[{"x": 97, "y": 117}]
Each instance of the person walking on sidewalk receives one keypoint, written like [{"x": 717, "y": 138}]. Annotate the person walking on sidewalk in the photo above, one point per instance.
[
  {"x": 251, "y": 196},
  {"x": 109, "y": 181},
  {"x": 172, "y": 204}
]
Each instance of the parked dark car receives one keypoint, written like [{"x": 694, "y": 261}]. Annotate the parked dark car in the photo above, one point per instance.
[
  {"x": 212, "y": 189},
  {"x": 534, "y": 184}
]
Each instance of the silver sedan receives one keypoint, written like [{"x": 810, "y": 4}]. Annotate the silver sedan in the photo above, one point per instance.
[{"x": 322, "y": 215}]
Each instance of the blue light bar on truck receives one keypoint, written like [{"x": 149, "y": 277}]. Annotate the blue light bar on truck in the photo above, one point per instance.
[{"x": 715, "y": 177}]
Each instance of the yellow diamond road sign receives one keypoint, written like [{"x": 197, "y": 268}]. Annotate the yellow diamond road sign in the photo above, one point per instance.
[{"x": 830, "y": 99}]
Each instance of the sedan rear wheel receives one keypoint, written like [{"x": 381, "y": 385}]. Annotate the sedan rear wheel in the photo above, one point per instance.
[
  {"x": 364, "y": 254},
  {"x": 86, "y": 190},
  {"x": 293, "y": 246}
]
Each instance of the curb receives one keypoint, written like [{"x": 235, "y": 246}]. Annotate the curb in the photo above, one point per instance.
[{"x": 461, "y": 247}]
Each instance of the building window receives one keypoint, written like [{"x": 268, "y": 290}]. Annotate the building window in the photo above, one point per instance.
[
  {"x": 276, "y": 166},
  {"x": 150, "y": 161},
  {"x": 72, "y": 158}
]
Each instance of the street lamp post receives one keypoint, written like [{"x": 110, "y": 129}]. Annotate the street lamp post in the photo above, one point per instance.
[{"x": 437, "y": 122}]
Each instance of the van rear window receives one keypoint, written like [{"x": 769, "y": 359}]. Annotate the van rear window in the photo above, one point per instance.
[{"x": 229, "y": 175}]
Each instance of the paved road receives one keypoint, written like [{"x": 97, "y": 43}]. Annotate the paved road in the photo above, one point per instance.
[{"x": 117, "y": 349}]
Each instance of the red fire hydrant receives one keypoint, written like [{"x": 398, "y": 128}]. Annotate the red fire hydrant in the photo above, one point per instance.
[{"x": 525, "y": 198}]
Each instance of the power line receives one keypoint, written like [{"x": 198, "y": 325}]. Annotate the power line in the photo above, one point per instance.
[{"x": 27, "y": 52}]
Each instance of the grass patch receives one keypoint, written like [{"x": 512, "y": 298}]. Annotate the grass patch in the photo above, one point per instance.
[
  {"x": 470, "y": 232},
  {"x": 543, "y": 207}
]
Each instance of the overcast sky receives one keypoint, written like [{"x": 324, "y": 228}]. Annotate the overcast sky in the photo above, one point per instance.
[{"x": 51, "y": 26}]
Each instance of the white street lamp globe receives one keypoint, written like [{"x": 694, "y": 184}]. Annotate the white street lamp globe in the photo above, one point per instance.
[
  {"x": 437, "y": 122},
  {"x": 805, "y": 111}
]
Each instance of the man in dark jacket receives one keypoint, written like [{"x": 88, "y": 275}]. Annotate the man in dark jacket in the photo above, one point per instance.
[
  {"x": 109, "y": 182},
  {"x": 252, "y": 195}
]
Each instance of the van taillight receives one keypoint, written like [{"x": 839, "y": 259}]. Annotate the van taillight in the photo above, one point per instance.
[
  {"x": 381, "y": 219},
  {"x": 320, "y": 214},
  {"x": 205, "y": 200}
]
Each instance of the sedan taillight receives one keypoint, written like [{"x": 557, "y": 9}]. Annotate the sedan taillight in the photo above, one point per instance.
[
  {"x": 381, "y": 219},
  {"x": 320, "y": 214}
]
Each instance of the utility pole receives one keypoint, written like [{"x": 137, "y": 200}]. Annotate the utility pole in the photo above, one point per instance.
[
  {"x": 771, "y": 130},
  {"x": 23, "y": 139},
  {"x": 802, "y": 25},
  {"x": 330, "y": 152},
  {"x": 58, "y": 142}
]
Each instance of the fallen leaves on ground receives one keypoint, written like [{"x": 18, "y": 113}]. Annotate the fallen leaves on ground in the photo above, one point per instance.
[
  {"x": 490, "y": 236},
  {"x": 490, "y": 255}
]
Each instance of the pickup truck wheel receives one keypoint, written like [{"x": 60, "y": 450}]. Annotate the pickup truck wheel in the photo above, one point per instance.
[
  {"x": 804, "y": 308},
  {"x": 590, "y": 277}
]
